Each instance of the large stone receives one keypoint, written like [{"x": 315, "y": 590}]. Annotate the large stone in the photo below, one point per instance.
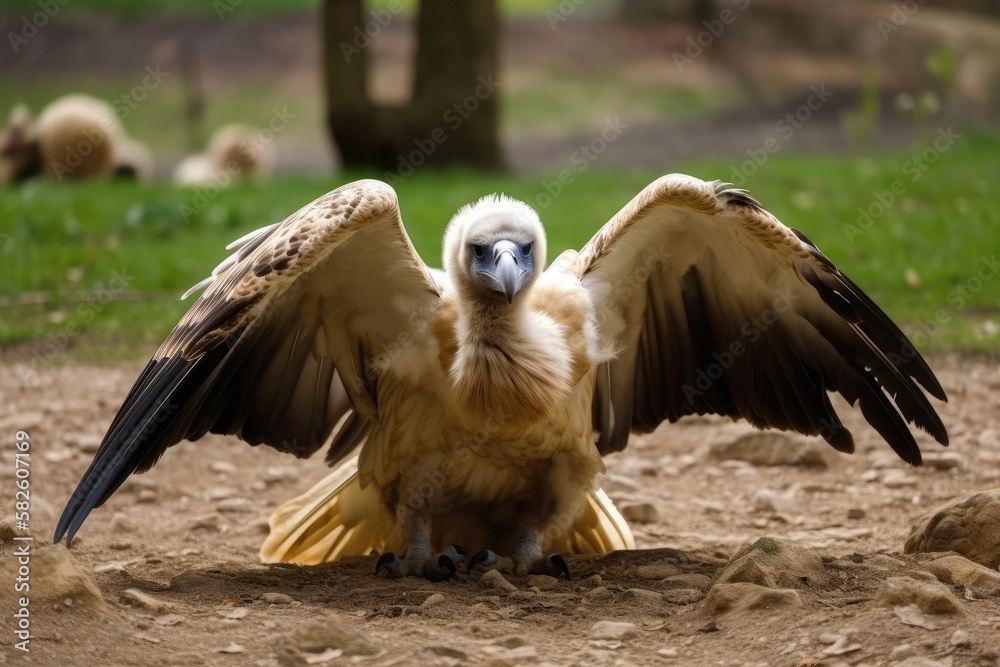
[
  {"x": 969, "y": 526},
  {"x": 54, "y": 577},
  {"x": 960, "y": 570},
  {"x": 932, "y": 597},
  {"x": 774, "y": 564},
  {"x": 613, "y": 630},
  {"x": 773, "y": 448},
  {"x": 743, "y": 596}
]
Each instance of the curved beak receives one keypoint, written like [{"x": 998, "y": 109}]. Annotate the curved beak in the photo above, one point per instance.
[{"x": 508, "y": 273}]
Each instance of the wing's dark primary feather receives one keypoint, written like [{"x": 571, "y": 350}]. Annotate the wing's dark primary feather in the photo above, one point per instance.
[
  {"x": 729, "y": 260},
  {"x": 253, "y": 356}
]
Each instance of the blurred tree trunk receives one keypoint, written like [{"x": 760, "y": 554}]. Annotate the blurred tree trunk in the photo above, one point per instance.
[
  {"x": 641, "y": 10},
  {"x": 452, "y": 116}
]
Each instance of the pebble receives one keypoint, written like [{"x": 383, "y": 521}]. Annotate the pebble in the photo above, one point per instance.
[
  {"x": 641, "y": 513},
  {"x": 946, "y": 461},
  {"x": 234, "y": 614},
  {"x": 232, "y": 648},
  {"x": 598, "y": 593},
  {"x": 220, "y": 493},
  {"x": 667, "y": 652},
  {"x": 856, "y": 514},
  {"x": 931, "y": 597},
  {"x": 170, "y": 619},
  {"x": 88, "y": 444},
  {"x": 898, "y": 480},
  {"x": 542, "y": 582},
  {"x": 278, "y": 598},
  {"x": 121, "y": 523},
  {"x": 436, "y": 598},
  {"x": 766, "y": 500},
  {"x": 612, "y": 630},
  {"x": 960, "y": 639},
  {"x": 902, "y": 652},
  {"x": 147, "y": 496},
  {"x": 223, "y": 467},
  {"x": 744, "y": 596},
  {"x": 645, "y": 596},
  {"x": 136, "y": 598},
  {"x": 235, "y": 505},
  {"x": 692, "y": 580},
  {"x": 830, "y": 638},
  {"x": 494, "y": 580},
  {"x": 656, "y": 571}
]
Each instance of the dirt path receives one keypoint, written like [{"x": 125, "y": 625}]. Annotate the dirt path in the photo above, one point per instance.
[{"x": 185, "y": 537}]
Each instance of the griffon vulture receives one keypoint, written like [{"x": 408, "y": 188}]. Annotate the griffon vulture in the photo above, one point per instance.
[{"x": 472, "y": 406}]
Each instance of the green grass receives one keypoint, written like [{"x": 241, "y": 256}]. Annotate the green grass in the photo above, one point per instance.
[{"x": 62, "y": 244}]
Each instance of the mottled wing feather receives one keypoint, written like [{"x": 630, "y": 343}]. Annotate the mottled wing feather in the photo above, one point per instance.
[
  {"x": 277, "y": 348},
  {"x": 716, "y": 307}
]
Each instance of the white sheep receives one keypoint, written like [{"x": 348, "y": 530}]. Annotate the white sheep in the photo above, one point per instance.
[{"x": 234, "y": 152}]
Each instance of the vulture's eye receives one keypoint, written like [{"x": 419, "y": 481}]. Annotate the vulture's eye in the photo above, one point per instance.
[
  {"x": 479, "y": 251},
  {"x": 526, "y": 250}
]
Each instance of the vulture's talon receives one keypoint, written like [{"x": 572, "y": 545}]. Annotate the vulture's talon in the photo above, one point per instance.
[
  {"x": 485, "y": 558},
  {"x": 558, "y": 561},
  {"x": 391, "y": 563},
  {"x": 440, "y": 568}
]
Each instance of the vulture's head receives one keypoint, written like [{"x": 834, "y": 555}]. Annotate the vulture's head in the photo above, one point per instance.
[{"x": 494, "y": 249}]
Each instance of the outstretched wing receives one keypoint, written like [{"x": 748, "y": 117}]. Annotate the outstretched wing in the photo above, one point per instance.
[
  {"x": 717, "y": 307},
  {"x": 281, "y": 346}
]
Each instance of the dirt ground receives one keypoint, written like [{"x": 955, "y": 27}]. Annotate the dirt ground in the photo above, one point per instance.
[{"x": 174, "y": 553}]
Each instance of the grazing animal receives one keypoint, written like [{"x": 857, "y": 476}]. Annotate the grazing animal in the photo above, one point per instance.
[
  {"x": 473, "y": 405},
  {"x": 234, "y": 152},
  {"x": 76, "y": 137}
]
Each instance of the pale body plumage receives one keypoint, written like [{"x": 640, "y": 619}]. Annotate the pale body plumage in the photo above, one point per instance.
[{"x": 478, "y": 401}]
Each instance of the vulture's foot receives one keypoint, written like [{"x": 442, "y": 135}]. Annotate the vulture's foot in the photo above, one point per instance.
[
  {"x": 526, "y": 558},
  {"x": 419, "y": 562}
]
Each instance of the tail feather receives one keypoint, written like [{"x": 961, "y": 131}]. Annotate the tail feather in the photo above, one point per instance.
[
  {"x": 337, "y": 518},
  {"x": 333, "y": 519}
]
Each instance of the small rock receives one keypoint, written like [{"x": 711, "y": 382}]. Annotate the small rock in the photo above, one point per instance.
[
  {"x": 593, "y": 580},
  {"x": 234, "y": 614},
  {"x": 543, "y": 582},
  {"x": 656, "y": 571},
  {"x": 683, "y": 596},
  {"x": 902, "y": 652},
  {"x": 644, "y": 596},
  {"x": 276, "y": 598},
  {"x": 494, "y": 580},
  {"x": 223, "y": 467},
  {"x": 88, "y": 444},
  {"x": 210, "y": 522},
  {"x": 55, "y": 577},
  {"x": 946, "y": 461},
  {"x": 147, "y": 496},
  {"x": 830, "y": 638},
  {"x": 774, "y": 564},
  {"x": 911, "y": 614},
  {"x": 613, "y": 630},
  {"x": 667, "y": 652},
  {"x": 968, "y": 525},
  {"x": 931, "y": 597},
  {"x": 641, "y": 513},
  {"x": 773, "y": 448},
  {"x": 954, "y": 570},
  {"x": 232, "y": 648},
  {"x": 136, "y": 598},
  {"x": 766, "y": 500},
  {"x": 122, "y": 524},
  {"x": 743, "y": 596},
  {"x": 699, "y": 581},
  {"x": 432, "y": 600},
  {"x": 170, "y": 619},
  {"x": 856, "y": 514},
  {"x": 325, "y": 635},
  {"x": 598, "y": 593},
  {"x": 235, "y": 505},
  {"x": 898, "y": 480},
  {"x": 7, "y": 531},
  {"x": 960, "y": 639}
]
